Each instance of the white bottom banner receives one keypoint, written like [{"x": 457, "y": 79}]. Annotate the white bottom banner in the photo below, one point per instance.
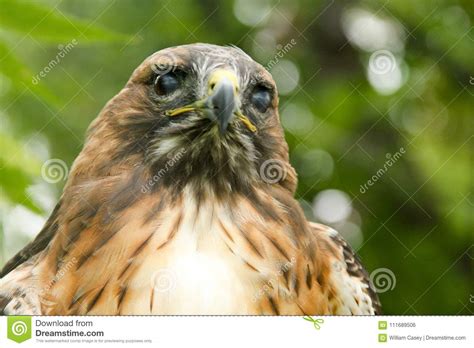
[{"x": 227, "y": 332}]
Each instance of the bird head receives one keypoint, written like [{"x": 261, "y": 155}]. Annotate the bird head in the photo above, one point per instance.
[{"x": 198, "y": 114}]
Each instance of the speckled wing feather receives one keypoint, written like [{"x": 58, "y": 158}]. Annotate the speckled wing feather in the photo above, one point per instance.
[
  {"x": 356, "y": 294},
  {"x": 19, "y": 296}
]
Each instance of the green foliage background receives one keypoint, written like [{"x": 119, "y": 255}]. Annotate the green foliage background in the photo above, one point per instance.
[{"x": 417, "y": 220}]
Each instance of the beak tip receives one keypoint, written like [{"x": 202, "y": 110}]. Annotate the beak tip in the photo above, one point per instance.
[{"x": 223, "y": 127}]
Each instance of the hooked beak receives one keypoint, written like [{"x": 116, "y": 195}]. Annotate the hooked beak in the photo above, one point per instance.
[{"x": 222, "y": 102}]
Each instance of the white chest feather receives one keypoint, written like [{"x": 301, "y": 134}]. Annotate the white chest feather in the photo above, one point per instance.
[{"x": 198, "y": 273}]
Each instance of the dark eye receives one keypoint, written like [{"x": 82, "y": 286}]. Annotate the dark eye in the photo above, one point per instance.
[
  {"x": 166, "y": 84},
  {"x": 261, "y": 98}
]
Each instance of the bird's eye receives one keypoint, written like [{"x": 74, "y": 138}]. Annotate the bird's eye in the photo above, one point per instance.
[
  {"x": 166, "y": 84},
  {"x": 261, "y": 98}
]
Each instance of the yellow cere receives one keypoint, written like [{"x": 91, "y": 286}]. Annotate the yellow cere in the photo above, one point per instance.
[{"x": 221, "y": 74}]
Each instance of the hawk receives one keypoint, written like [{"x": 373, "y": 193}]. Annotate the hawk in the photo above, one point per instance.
[{"x": 182, "y": 202}]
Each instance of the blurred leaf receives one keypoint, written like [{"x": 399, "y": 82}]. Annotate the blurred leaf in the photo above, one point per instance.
[
  {"x": 50, "y": 24},
  {"x": 17, "y": 167},
  {"x": 21, "y": 77},
  {"x": 14, "y": 155},
  {"x": 14, "y": 182}
]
